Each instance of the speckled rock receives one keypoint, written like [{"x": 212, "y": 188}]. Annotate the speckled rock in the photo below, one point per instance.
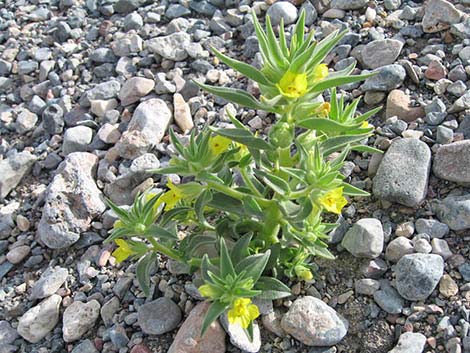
[
  {"x": 365, "y": 239},
  {"x": 159, "y": 316},
  {"x": 410, "y": 342},
  {"x": 452, "y": 162},
  {"x": 78, "y": 318},
  {"x": 454, "y": 211},
  {"x": 50, "y": 281}
]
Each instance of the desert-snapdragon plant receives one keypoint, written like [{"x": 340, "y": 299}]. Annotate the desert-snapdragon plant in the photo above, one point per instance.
[{"x": 253, "y": 212}]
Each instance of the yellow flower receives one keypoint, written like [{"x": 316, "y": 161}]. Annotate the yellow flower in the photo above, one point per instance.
[
  {"x": 323, "y": 110},
  {"x": 219, "y": 144},
  {"x": 365, "y": 125},
  {"x": 293, "y": 85},
  {"x": 243, "y": 312},
  {"x": 320, "y": 72},
  {"x": 207, "y": 291},
  {"x": 303, "y": 273},
  {"x": 172, "y": 196},
  {"x": 333, "y": 200},
  {"x": 123, "y": 251}
]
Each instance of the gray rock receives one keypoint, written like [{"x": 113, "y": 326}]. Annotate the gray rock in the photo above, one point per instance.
[
  {"x": 418, "y": 274},
  {"x": 348, "y": 4},
  {"x": 86, "y": 346},
  {"x": 398, "y": 248},
  {"x": 50, "y": 281},
  {"x": 5, "y": 268},
  {"x": 53, "y": 119},
  {"x": 133, "y": 21},
  {"x": 239, "y": 338},
  {"x": 381, "y": 52},
  {"x": 102, "y": 91},
  {"x": 464, "y": 270},
  {"x": 454, "y": 211},
  {"x": 25, "y": 121},
  {"x": 461, "y": 104},
  {"x": 441, "y": 248},
  {"x": 7, "y": 333},
  {"x": 38, "y": 321},
  {"x": 366, "y": 286},
  {"x": 432, "y": 227},
  {"x": 135, "y": 88},
  {"x": 462, "y": 29},
  {"x": 126, "y": 6},
  {"x": 435, "y": 112},
  {"x": 5, "y": 67},
  {"x": 392, "y": 4},
  {"x": 444, "y": 135},
  {"x": 177, "y": 10},
  {"x": 17, "y": 254},
  {"x": 103, "y": 55},
  {"x": 388, "y": 298},
  {"x": 122, "y": 286},
  {"x": 282, "y": 9},
  {"x": 389, "y": 77},
  {"x": 78, "y": 318},
  {"x": 147, "y": 127},
  {"x": 171, "y": 47},
  {"x": 452, "y": 162},
  {"x": 77, "y": 139},
  {"x": 72, "y": 201},
  {"x": 439, "y": 15},
  {"x": 109, "y": 309},
  {"x": 27, "y": 66},
  {"x": 159, "y": 316},
  {"x": 13, "y": 169},
  {"x": 410, "y": 342},
  {"x": 403, "y": 173},
  {"x": 203, "y": 7},
  {"x": 314, "y": 323},
  {"x": 365, "y": 239},
  {"x": 118, "y": 336}
]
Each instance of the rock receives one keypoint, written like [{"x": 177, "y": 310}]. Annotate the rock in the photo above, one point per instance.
[
  {"x": 432, "y": 227},
  {"x": 403, "y": 173},
  {"x": 109, "y": 309},
  {"x": 439, "y": 15},
  {"x": 38, "y": 321},
  {"x": 109, "y": 133},
  {"x": 454, "y": 211},
  {"x": 103, "y": 55},
  {"x": 77, "y": 139},
  {"x": 177, "y": 10},
  {"x": 365, "y": 239},
  {"x": 7, "y": 334},
  {"x": 388, "y": 298},
  {"x": 398, "y": 248},
  {"x": 314, "y": 323},
  {"x": 441, "y": 248},
  {"x": 25, "y": 121},
  {"x": 135, "y": 88},
  {"x": 188, "y": 339},
  {"x": 381, "y": 52},
  {"x": 282, "y": 9},
  {"x": 447, "y": 286},
  {"x": 13, "y": 169},
  {"x": 182, "y": 113},
  {"x": 159, "y": 316},
  {"x": 78, "y": 318},
  {"x": 171, "y": 47},
  {"x": 133, "y": 21},
  {"x": 16, "y": 255},
  {"x": 399, "y": 105},
  {"x": 392, "y": 4},
  {"x": 444, "y": 135},
  {"x": 418, "y": 274},
  {"x": 126, "y": 6},
  {"x": 435, "y": 112},
  {"x": 86, "y": 346},
  {"x": 348, "y": 4},
  {"x": 366, "y": 286},
  {"x": 72, "y": 201},
  {"x": 53, "y": 119},
  {"x": 99, "y": 107},
  {"x": 461, "y": 104},
  {"x": 410, "y": 342},
  {"x": 239, "y": 338},
  {"x": 435, "y": 71},
  {"x": 105, "y": 90},
  {"x": 146, "y": 128},
  {"x": 452, "y": 162},
  {"x": 50, "y": 281},
  {"x": 389, "y": 77}
]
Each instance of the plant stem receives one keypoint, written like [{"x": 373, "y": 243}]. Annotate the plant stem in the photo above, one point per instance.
[
  {"x": 249, "y": 183},
  {"x": 165, "y": 250}
]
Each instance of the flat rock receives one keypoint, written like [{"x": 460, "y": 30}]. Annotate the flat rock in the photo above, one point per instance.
[
  {"x": 314, "y": 323},
  {"x": 103, "y": 91},
  {"x": 348, "y": 4},
  {"x": 38, "y": 321},
  {"x": 381, "y": 52},
  {"x": 418, "y": 274},
  {"x": 78, "y": 318},
  {"x": 135, "y": 88},
  {"x": 439, "y": 15},
  {"x": 159, "y": 316},
  {"x": 452, "y": 162},
  {"x": 399, "y": 105},
  {"x": 171, "y": 47},
  {"x": 389, "y": 77},
  {"x": 72, "y": 201},
  {"x": 365, "y": 239},
  {"x": 50, "y": 281},
  {"x": 454, "y": 211},
  {"x": 7, "y": 333},
  {"x": 86, "y": 346},
  {"x": 403, "y": 173},
  {"x": 13, "y": 169},
  {"x": 189, "y": 340},
  {"x": 410, "y": 342},
  {"x": 388, "y": 298}
]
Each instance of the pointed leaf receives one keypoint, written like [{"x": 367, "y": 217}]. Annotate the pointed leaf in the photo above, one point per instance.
[
  {"x": 244, "y": 137},
  {"x": 143, "y": 269},
  {"x": 253, "y": 265},
  {"x": 216, "y": 309}
]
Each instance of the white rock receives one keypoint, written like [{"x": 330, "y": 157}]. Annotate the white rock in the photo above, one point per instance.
[
  {"x": 79, "y": 318},
  {"x": 182, "y": 113}
]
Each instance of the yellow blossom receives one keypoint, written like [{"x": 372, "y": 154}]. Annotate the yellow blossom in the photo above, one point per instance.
[
  {"x": 320, "y": 72},
  {"x": 219, "y": 144},
  {"x": 333, "y": 200},
  {"x": 172, "y": 196},
  {"x": 293, "y": 85},
  {"x": 123, "y": 251},
  {"x": 243, "y": 312},
  {"x": 365, "y": 125},
  {"x": 323, "y": 110},
  {"x": 303, "y": 273},
  {"x": 207, "y": 291}
]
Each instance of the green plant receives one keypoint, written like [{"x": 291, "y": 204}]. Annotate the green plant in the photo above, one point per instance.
[{"x": 254, "y": 210}]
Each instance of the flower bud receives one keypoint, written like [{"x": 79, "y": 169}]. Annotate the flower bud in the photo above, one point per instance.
[
  {"x": 303, "y": 273},
  {"x": 281, "y": 135}
]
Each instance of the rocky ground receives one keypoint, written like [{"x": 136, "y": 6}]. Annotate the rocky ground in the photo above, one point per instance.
[{"x": 88, "y": 90}]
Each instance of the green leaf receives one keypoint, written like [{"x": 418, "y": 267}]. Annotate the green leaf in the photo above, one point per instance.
[
  {"x": 170, "y": 170},
  {"x": 368, "y": 114},
  {"x": 263, "y": 43},
  {"x": 250, "y": 203},
  {"x": 201, "y": 202},
  {"x": 273, "y": 45},
  {"x": 240, "y": 249},
  {"x": 253, "y": 265},
  {"x": 122, "y": 214},
  {"x": 174, "y": 212},
  {"x": 272, "y": 288},
  {"x": 282, "y": 39},
  {"x": 143, "y": 269},
  {"x": 226, "y": 203},
  {"x": 350, "y": 190},
  {"x": 335, "y": 81},
  {"x": 216, "y": 309},
  {"x": 226, "y": 266},
  {"x": 325, "y": 125},
  {"x": 247, "y": 70},
  {"x": 364, "y": 148},
  {"x": 276, "y": 183},
  {"x": 159, "y": 232},
  {"x": 335, "y": 143},
  {"x": 244, "y": 137}
]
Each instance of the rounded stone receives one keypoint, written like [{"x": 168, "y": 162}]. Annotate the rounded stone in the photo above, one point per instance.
[
  {"x": 365, "y": 239},
  {"x": 159, "y": 316},
  {"x": 79, "y": 318},
  {"x": 282, "y": 9}
]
